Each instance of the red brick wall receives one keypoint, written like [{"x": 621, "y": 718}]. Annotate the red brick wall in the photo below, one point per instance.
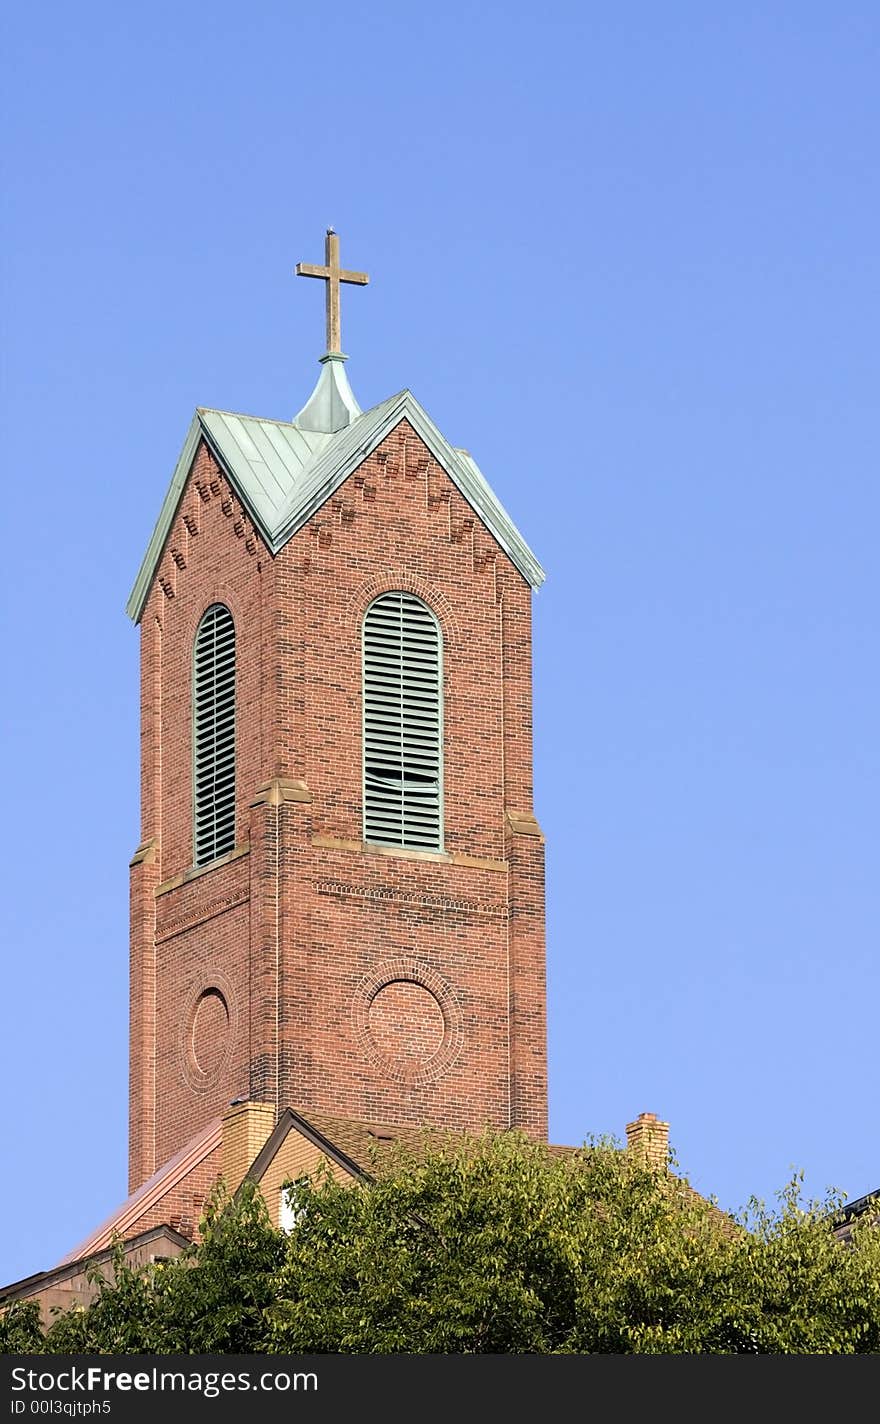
[
  {"x": 302, "y": 934},
  {"x": 183, "y": 1205}
]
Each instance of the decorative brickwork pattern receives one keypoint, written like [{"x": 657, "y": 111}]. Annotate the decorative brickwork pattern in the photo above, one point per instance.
[
  {"x": 408, "y": 1021},
  {"x": 208, "y": 1031}
]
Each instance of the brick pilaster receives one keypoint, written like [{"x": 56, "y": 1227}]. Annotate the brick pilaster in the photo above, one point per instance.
[
  {"x": 528, "y": 982},
  {"x": 273, "y": 819},
  {"x": 142, "y": 1015}
]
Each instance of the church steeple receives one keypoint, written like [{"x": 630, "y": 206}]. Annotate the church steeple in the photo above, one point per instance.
[
  {"x": 332, "y": 405},
  {"x": 337, "y": 902}
]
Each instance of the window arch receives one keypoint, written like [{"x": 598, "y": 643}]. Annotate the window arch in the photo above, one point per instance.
[
  {"x": 214, "y": 735},
  {"x": 403, "y": 723}
]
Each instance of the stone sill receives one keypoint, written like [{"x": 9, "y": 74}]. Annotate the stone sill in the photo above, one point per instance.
[
  {"x": 434, "y": 857},
  {"x": 197, "y": 871}
]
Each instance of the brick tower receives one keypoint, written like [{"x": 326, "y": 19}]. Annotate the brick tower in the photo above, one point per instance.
[{"x": 338, "y": 899}]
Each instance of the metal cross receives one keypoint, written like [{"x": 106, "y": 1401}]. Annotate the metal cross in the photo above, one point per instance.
[{"x": 332, "y": 274}]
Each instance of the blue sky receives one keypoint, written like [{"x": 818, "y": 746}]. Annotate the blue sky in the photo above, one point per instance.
[{"x": 627, "y": 254}]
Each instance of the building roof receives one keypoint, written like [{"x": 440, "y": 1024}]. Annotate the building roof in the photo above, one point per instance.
[
  {"x": 206, "y": 1141},
  {"x": 283, "y": 471},
  {"x": 844, "y": 1218},
  {"x": 350, "y": 1142},
  {"x": 73, "y": 1265},
  {"x": 869, "y": 1202}
]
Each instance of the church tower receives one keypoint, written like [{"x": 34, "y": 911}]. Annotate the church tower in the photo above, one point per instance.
[{"x": 337, "y": 904}]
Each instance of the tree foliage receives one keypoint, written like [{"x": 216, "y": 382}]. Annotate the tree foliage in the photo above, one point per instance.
[{"x": 491, "y": 1245}]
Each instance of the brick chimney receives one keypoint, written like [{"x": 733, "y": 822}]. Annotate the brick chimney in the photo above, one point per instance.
[
  {"x": 246, "y": 1126},
  {"x": 649, "y": 1137}
]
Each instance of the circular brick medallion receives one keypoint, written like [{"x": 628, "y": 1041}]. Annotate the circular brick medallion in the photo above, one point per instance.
[
  {"x": 408, "y": 1021},
  {"x": 207, "y": 1032}
]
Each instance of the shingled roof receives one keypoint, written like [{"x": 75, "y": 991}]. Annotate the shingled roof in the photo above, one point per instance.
[{"x": 354, "y": 1144}]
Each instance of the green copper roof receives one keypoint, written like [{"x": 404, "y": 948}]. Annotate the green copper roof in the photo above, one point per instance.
[{"x": 283, "y": 473}]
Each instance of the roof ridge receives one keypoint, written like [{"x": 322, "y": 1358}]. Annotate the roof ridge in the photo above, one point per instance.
[
  {"x": 243, "y": 415},
  {"x": 273, "y": 420}
]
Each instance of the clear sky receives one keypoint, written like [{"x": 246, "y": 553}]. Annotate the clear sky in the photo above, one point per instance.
[{"x": 628, "y": 254}]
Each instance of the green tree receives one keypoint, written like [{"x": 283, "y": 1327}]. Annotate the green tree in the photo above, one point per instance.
[
  {"x": 20, "y": 1332},
  {"x": 497, "y": 1245},
  {"x": 500, "y": 1246}
]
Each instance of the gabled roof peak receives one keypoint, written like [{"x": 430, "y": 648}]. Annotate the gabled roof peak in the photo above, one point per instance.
[{"x": 283, "y": 471}]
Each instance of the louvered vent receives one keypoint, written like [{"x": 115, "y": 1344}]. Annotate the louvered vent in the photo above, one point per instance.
[
  {"x": 214, "y": 735},
  {"x": 402, "y": 723}
]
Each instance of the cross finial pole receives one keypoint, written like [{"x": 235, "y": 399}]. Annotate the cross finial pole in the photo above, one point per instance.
[{"x": 332, "y": 274}]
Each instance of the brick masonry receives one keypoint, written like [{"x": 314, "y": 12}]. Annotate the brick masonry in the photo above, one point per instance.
[{"x": 307, "y": 968}]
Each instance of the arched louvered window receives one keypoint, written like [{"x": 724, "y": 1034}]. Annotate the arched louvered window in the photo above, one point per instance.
[
  {"x": 403, "y": 723},
  {"x": 214, "y": 735}
]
